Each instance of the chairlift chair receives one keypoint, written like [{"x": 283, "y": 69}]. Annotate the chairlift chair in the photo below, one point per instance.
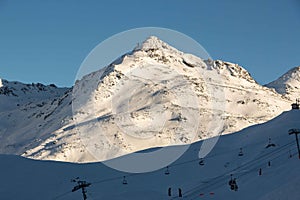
[
  {"x": 167, "y": 172},
  {"x": 124, "y": 181},
  {"x": 290, "y": 154},
  {"x": 241, "y": 152},
  {"x": 270, "y": 144},
  {"x": 201, "y": 162}
]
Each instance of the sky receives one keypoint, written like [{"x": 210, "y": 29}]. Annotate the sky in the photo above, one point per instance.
[{"x": 46, "y": 41}]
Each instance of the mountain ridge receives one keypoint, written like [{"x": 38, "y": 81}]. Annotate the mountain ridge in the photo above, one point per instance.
[
  {"x": 288, "y": 84},
  {"x": 48, "y": 127}
]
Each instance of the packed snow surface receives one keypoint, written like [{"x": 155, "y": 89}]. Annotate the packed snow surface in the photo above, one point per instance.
[{"x": 23, "y": 178}]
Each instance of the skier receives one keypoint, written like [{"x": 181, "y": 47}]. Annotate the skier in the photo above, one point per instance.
[
  {"x": 169, "y": 192},
  {"x": 179, "y": 192},
  {"x": 260, "y": 172}
]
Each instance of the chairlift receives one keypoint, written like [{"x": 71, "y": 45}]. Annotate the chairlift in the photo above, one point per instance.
[
  {"x": 232, "y": 183},
  {"x": 201, "y": 162},
  {"x": 241, "y": 152},
  {"x": 270, "y": 144},
  {"x": 290, "y": 154},
  {"x": 167, "y": 172},
  {"x": 124, "y": 181}
]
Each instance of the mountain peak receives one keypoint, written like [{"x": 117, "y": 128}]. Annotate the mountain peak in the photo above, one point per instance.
[
  {"x": 153, "y": 39},
  {"x": 288, "y": 83},
  {"x": 154, "y": 43},
  {"x": 294, "y": 73}
]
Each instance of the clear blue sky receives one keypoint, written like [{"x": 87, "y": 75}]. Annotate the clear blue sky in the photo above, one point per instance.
[{"x": 46, "y": 41}]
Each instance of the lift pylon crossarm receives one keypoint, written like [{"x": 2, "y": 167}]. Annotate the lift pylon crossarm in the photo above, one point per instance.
[
  {"x": 296, "y": 132},
  {"x": 81, "y": 185}
]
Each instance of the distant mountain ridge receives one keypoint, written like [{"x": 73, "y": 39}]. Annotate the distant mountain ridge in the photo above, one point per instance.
[{"x": 288, "y": 84}]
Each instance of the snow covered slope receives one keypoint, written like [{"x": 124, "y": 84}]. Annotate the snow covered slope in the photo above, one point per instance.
[
  {"x": 288, "y": 84},
  {"x": 29, "y": 114},
  {"x": 49, "y": 180},
  {"x": 155, "y": 92}
]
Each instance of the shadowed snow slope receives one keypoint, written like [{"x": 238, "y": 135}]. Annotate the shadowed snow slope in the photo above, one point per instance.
[{"x": 22, "y": 178}]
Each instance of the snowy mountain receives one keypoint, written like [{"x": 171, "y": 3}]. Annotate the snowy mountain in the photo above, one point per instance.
[
  {"x": 279, "y": 166},
  {"x": 153, "y": 96},
  {"x": 288, "y": 84},
  {"x": 29, "y": 113}
]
